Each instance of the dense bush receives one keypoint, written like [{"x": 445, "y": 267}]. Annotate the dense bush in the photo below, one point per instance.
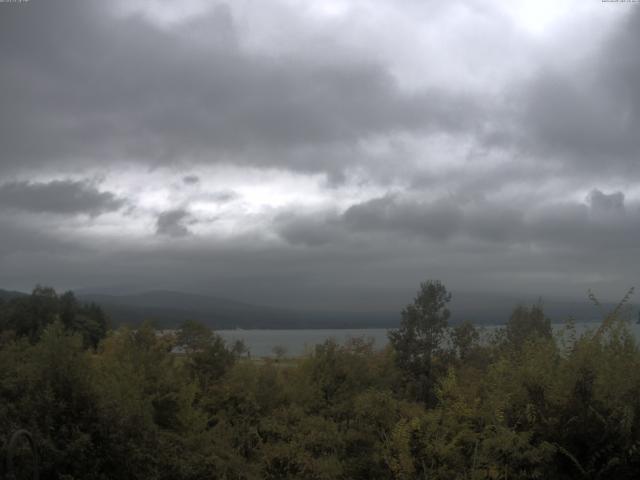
[{"x": 436, "y": 403}]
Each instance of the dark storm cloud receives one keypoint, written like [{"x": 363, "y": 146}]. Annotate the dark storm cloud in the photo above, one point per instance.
[
  {"x": 439, "y": 219},
  {"x": 172, "y": 223},
  {"x": 83, "y": 86},
  {"x": 556, "y": 226},
  {"x": 65, "y": 197}
]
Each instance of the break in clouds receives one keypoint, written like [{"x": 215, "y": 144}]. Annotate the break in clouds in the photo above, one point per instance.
[{"x": 320, "y": 154}]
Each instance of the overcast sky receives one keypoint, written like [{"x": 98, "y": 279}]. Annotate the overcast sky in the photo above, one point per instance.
[{"x": 321, "y": 154}]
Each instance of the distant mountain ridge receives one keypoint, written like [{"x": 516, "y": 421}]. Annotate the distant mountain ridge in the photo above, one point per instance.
[
  {"x": 9, "y": 294},
  {"x": 167, "y": 309}
]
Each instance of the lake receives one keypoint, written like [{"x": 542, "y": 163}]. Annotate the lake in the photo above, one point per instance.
[{"x": 298, "y": 342}]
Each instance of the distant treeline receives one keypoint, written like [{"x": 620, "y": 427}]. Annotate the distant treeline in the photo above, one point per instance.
[{"x": 436, "y": 403}]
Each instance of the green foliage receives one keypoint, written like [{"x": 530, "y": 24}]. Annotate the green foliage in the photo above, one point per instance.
[
  {"x": 47, "y": 388},
  {"x": 465, "y": 338},
  {"x": 194, "y": 336},
  {"x": 28, "y": 316},
  {"x": 526, "y": 324},
  {"x": 141, "y": 405},
  {"x": 208, "y": 357},
  {"x": 418, "y": 340}
]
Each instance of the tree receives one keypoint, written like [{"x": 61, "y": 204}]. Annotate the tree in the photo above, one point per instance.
[
  {"x": 527, "y": 324},
  {"x": 279, "y": 351},
  {"x": 92, "y": 323},
  {"x": 29, "y": 316},
  {"x": 211, "y": 362},
  {"x": 465, "y": 337},
  {"x": 419, "y": 337},
  {"x": 68, "y": 309},
  {"x": 208, "y": 355},
  {"x": 239, "y": 348},
  {"x": 89, "y": 320},
  {"x": 194, "y": 336}
]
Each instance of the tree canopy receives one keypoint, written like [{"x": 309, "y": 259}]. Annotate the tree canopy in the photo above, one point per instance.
[
  {"x": 422, "y": 328},
  {"x": 525, "y": 403}
]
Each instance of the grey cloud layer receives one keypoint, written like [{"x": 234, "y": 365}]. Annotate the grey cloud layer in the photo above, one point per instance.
[
  {"x": 172, "y": 223},
  {"x": 585, "y": 115},
  {"x": 364, "y": 271},
  {"x": 607, "y": 203},
  {"x": 601, "y": 222},
  {"x": 89, "y": 87},
  {"x": 58, "y": 196},
  {"x": 109, "y": 89},
  {"x": 82, "y": 88}
]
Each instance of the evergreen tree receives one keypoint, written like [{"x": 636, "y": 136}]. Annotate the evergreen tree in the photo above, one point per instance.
[{"x": 420, "y": 335}]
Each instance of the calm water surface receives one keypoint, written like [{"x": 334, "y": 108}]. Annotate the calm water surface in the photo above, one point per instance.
[{"x": 298, "y": 342}]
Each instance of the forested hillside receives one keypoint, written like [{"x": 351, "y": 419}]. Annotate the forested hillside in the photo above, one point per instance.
[{"x": 437, "y": 403}]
